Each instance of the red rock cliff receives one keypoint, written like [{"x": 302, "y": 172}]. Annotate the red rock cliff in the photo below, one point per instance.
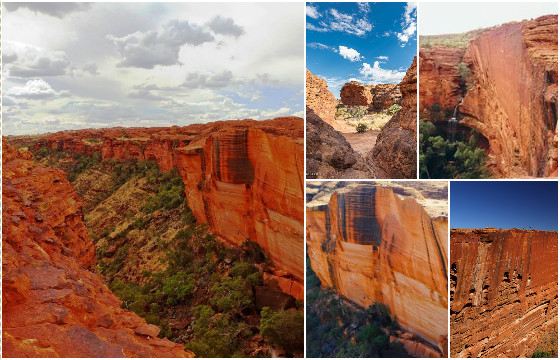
[
  {"x": 385, "y": 244},
  {"x": 504, "y": 291},
  {"x": 510, "y": 90},
  {"x": 319, "y": 98},
  {"x": 514, "y": 103},
  {"x": 242, "y": 178},
  {"x": 53, "y": 306}
]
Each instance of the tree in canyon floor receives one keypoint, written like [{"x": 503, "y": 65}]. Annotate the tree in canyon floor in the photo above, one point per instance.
[{"x": 441, "y": 158}]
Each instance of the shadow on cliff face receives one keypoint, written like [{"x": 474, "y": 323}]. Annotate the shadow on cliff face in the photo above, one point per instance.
[{"x": 172, "y": 271}]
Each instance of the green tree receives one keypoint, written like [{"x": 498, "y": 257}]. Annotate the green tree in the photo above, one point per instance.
[{"x": 283, "y": 328}]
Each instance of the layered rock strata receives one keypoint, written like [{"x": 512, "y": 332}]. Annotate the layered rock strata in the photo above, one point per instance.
[
  {"x": 394, "y": 154},
  {"x": 504, "y": 291},
  {"x": 385, "y": 243},
  {"x": 512, "y": 104},
  {"x": 320, "y": 99},
  {"x": 52, "y": 305},
  {"x": 242, "y": 178}
]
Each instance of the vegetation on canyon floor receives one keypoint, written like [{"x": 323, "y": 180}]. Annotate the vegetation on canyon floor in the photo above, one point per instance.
[
  {"x": 172, "y": 271},
  {"x": 548, "y": 346},
  {"x": 443, "y": 158},
  {"x": 337, "y": 328}
]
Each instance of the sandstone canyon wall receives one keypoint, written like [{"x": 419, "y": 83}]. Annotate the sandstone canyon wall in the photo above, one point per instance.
[
  {"x": 377, "y": 98},
  {"x": 53, "y": 306},
  {"x": 385, "y": 243},
  {"x": 319, "y": 98},
  {"x": 394, "y": 154},
  {"x": 242, "y": 178},
  {"x": 513, "y": 104},
  {"x": 504, "y": 291}
]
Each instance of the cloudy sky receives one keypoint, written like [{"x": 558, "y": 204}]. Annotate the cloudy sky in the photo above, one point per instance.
[
  {"x": 369, "y": 42},
  {"x": 71, "y": 66},
  {"x": 442, "y": 18}
]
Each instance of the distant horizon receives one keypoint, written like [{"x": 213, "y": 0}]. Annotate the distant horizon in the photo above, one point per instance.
[
  {"x": 505, "y": 229},
  {"x": 524, "y": 205}
]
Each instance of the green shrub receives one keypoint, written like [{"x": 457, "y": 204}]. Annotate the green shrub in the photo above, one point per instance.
[
  {"x": 361, "y": 128},
  {"x": 178, "y": 287},
  {"x": 393, "y": 109},
  {"x": 215, "y": 335},
  {"x": 283, "y": 328},
  {"x": 232, "y": 295}
]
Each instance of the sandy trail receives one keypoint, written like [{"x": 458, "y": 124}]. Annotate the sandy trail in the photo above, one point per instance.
[{"x": 363, "y": 142}]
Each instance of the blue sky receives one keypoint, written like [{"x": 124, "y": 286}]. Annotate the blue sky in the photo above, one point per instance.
[
  {"x": 504, "y": 204},
  {"x": 90, "y": 65},
  {"x": 369, "y": 42}
]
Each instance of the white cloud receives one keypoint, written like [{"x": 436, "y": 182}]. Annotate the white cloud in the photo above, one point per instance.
[
  {"x": 349, "y": 53},
  {"x": 151, "y": 48},
  {"x": 382, "y": 58},
  {"x": 377, "y": 74},
  {"x": 59, "y": 10},
  {"x": 317, "y": 45},
  {"x": 363, "y": 7},
  {"x": 33, "y": 89},
  {"x": 408, "y": 24},
  {"x": 322, "y": 28},
  {"x": 283, "y": 111},
  {"x": 346, "y": 23},
  {"x": 24, "y": 60},
  {"x": 312, "y": 12},
  {"x": 225, "y": 26}
]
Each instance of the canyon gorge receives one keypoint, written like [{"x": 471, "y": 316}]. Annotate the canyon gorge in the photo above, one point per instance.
[
  {"x": 504, "y": 293},
  {"x": 141, "y": 213},
  {"x": 369, "y": 133},
  {"x": 510, "y": 106},
  {"x": 384, "y": 244}
]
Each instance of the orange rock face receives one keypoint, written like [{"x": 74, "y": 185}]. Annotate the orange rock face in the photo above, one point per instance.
[
  {"x": 504, "y": 291},
  {"x": 376, "y": 97},
  {"x": 394, "y": 154},
  {"x": 354, "y": 93},
  {"x": 52, "y": 305},
  {"x": 242, "y": 178},
  {"x": 385, "y": 95},
  {"x": 439, "y": 77},
  {"x": 514, "y": 103},
  {"x": 319, "y": 98},
  {"x": 384, "y": 244}
]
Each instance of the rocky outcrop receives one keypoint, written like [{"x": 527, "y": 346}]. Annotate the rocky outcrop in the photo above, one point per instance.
[
  {"x": 385, "y": 243},
  {"x": 384, "y": 96},
  {"x": 53, "y": 306},
  {"x": 329, "y": 155},
  {"x": 319, "y": 98},
  {"x": 440, "y": 80},
  {"x": 354, "y": 93},
  {"x": 377, "y": 98},
  {"x": 511, "y": 104},
  {"x": 394, "y": 154},
  {"x": 504, "y": 291},
  {"x": 242, "y": 178}
]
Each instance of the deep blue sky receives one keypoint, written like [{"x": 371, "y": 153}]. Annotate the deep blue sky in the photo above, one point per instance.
[
  {"x": 504, "y": 204},
  {"x": 382, "y": 32}
]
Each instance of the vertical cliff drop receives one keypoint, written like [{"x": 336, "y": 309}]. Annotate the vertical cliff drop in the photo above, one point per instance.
[
  {"x": 511, "y": 106},
  {"x": 385, "y": 243},
  {"x": 504, "y": 291}
]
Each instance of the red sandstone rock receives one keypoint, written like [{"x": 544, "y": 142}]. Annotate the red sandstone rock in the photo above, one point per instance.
[
  {"x": 514, "y": 103},
  {"x": 319, "y": 98},
  {"x": 384, "y": 244},
  {"x": 384, "y": 96},
  {"x": 394, "y": 154},
  {"x": 439, "y": 77},
  {"x": 504, "y": 291},
  {"x": 354, "y": 93},
  {"x": 52, "y": 305},
  {"x": 242, "y": 178}
]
